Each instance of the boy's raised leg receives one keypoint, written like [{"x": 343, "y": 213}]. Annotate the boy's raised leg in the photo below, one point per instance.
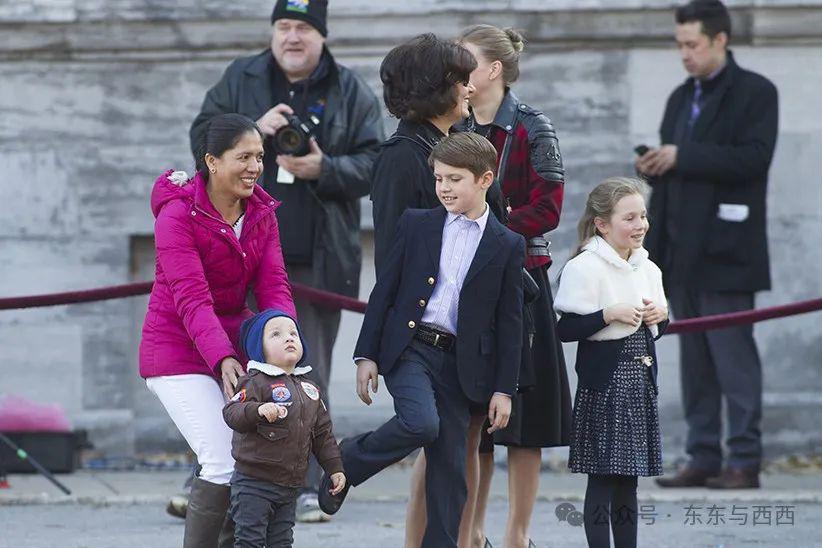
[{"x": 415, "y": 424}]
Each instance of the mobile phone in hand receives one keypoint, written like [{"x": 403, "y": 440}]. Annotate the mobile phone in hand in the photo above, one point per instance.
[{"x": 641, "y": 150}]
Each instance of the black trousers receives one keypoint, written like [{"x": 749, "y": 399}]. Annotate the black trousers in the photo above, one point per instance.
[{"x": 263, "y": 513}]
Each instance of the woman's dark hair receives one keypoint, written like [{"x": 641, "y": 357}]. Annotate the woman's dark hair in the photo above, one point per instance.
[
  {"x": 418, "y": 77},
  {"x": 223, "y": 133},
  {"x": 712, "y": 14}
]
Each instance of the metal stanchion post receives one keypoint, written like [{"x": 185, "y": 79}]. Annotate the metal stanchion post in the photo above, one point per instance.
[{"x": 22, "y": 455}]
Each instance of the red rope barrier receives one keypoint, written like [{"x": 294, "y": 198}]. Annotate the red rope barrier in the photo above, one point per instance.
[
  {"x": 76, "y": 297},
  {"x": 328, "y": 299},
  {"x": 317, "y": 296},
  {"x": 341, "y": 302},
  {"x": 718, "y": 321}
]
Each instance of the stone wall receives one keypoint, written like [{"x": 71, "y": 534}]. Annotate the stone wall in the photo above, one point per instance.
[{"x": 97, "y": 96}]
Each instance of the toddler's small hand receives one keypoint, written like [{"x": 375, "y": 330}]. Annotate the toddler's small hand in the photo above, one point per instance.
[
  {"x": 269, "y": 411},
  {"x": 337, "y": 483}
]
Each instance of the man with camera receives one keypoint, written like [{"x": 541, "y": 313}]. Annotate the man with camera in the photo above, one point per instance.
[
  {"x": 708, "y": 234},
  {"x": 323, "y": 128}
]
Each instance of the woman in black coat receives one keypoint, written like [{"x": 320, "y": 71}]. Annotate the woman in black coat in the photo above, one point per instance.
[{"x": 425, "y": 85}]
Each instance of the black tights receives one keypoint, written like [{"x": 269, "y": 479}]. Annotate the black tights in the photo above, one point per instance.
[{"x": 611, "y": 500}]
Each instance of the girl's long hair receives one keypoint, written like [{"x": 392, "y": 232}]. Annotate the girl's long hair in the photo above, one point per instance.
[{"x": 601, "y": 203}]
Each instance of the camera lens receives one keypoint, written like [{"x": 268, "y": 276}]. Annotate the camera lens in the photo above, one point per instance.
[{"x": 288, "y": 140}]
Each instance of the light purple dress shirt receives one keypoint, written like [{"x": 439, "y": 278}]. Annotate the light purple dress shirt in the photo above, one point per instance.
[{"x": 460, "y": 239}]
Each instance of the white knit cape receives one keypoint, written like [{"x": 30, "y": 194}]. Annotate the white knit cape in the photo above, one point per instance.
[{"x": 598, "y": 277}]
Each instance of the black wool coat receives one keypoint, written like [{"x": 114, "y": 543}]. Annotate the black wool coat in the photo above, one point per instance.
[{"x": 698, "y": 241}]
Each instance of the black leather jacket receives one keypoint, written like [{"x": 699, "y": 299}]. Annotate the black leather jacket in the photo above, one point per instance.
[{"x": 351, "y": 132}]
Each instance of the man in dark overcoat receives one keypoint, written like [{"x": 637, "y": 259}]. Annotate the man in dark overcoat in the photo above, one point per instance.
[{"x": 708, "y": 234}]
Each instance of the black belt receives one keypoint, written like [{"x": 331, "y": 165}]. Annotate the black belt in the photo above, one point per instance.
[{"x": 437, "y": 338}]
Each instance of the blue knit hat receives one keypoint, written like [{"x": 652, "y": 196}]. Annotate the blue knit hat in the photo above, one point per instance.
[{"x": 251, "y": 334}]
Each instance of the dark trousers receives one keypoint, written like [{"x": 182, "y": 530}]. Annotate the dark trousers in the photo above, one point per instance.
[
  {"x": 716, "y": 364},
  {"x": 263, "y": 513},
  {"x": 319, "y": 327},
  {"x": 431, "y": 412}
]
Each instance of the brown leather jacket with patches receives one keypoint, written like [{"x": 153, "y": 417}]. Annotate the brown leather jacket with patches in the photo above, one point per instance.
[{"x": 278, "y": 451}]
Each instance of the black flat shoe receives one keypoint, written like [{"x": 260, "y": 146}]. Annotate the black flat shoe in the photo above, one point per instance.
[
  {"x": 487, "y": 543},
  {"x": 329, "y": 503},
  {"x": 531, "y": 544}
]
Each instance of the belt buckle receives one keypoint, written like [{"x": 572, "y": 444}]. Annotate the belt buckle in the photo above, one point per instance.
[{"x": 436, "y": 339}]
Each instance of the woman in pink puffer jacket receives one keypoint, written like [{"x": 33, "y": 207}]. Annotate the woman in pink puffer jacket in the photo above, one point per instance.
[{"x": 216, "y": 236}]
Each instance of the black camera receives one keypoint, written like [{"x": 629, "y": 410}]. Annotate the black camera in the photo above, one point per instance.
[{"x": 294, "y": 137}]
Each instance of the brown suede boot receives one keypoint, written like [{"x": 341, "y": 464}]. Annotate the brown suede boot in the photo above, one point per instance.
[
  {"x": 735, "y": 478},
  {"x": 687, "y": 477},
  {"x": 205, "y": 517},
  {"x": 226, "y": 538}
]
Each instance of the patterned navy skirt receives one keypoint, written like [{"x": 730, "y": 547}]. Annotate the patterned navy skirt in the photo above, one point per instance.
[{"x": 616, "y": 431}]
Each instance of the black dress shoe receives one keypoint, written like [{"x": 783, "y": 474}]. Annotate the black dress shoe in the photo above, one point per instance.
[
  {"x": 735, "y": 478},
  {"x": 687, "y": 477},
  {"x": 329, "y": 503}
]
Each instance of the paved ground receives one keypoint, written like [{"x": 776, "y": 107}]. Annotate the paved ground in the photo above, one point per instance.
[
  {"x": 380, "y": 524},
  {"x": 126, "y": 509}
]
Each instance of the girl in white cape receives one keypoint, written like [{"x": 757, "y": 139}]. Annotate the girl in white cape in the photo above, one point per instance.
[{"x": 611, "y": 300}]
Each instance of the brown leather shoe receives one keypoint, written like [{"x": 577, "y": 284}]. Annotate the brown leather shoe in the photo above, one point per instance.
[
  {"x": 735, "y": 478},
  {"x": 687, "y": 477}
]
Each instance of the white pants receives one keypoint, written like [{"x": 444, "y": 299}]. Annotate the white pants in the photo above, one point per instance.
[{"x": 195, "y": 404}]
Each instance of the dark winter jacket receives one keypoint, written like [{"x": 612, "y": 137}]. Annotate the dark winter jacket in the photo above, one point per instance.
[
  {"x": 708, "y": 214},
  {"x": 350, "y": 134}
]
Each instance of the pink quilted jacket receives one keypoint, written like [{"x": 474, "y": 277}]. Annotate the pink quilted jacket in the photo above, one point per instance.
[{"x": 203, "y": 273}]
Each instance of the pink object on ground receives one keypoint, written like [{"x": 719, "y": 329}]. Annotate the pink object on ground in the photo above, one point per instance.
[{"x": 21, "y": 415}]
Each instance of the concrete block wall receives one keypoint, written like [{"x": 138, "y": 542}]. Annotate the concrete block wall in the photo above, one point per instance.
[{"x": 96, "y": 99}]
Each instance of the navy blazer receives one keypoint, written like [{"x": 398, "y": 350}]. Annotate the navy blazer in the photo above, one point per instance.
[{"x": 489, "y": 322}]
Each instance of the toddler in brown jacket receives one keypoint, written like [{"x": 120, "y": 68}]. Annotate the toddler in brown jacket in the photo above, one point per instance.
[{"x": 278, "y": 418}]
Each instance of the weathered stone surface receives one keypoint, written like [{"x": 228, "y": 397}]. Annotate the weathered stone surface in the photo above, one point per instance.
[
  {"x": 54, "y": 351},
  {"x": 97, "y": 98}
]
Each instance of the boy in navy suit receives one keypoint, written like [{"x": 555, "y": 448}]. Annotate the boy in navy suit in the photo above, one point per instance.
[{"x": 444, "y": 329}]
